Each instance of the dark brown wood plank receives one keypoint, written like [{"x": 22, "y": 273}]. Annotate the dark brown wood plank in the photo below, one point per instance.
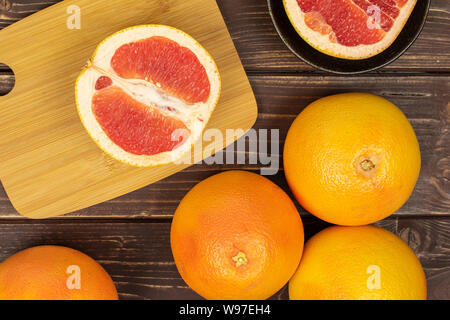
[
  {"x": 425, "y": 101},
  {"x": 6, "y": 82},
  {"x": 261, "y": 49},
  {"x": 139, "y": 259},
  {"x": 133, "y": 246},
  {"x": 15, "y": 10}
]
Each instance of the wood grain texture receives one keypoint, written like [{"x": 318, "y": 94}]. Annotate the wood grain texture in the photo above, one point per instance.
[
  {"x": 130, "y": 235},
  {"x": 139, "y": 259},
  {"x": 48, "y": 163},
  {"x": 425, "y": 101},
  {"x": 261, "y": 49}
]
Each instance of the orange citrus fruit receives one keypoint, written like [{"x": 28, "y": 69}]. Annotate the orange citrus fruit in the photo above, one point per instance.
[
  {"x": 236, "y": 235},
  {"x": 54, "y": 273},
  {"x": 351, "y": 159},
  {"x": 147, "y": 94},
  {"x": 349, "y": 263},
  {"x": 349, "y": 29}
]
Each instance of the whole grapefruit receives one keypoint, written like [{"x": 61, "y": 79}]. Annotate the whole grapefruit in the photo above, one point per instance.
[
  {"x": 367, "y": 263},
  {"x": 352, "y": 159},
  {"x": 54, "y": 273},
  {"x": 236, "y": 235}
]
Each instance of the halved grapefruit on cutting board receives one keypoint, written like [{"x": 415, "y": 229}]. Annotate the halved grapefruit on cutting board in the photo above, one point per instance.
[
  {"x": 147, "y": 94},
  {"x": 349, "y": 29}
]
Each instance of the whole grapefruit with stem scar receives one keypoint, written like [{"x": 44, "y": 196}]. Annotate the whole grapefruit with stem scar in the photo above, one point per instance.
[
  {"x": 236, "y": 235},
  {"x": 352, "y": 159}
]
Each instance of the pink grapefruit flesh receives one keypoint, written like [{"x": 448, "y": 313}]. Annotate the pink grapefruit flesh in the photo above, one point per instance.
[
  {"x": 103, "y": 82},
  {"x": 135, "y": 127},
  {"x": 164, "y": 62}
]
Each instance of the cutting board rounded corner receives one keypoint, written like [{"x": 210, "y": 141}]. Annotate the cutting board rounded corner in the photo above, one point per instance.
[{"x": 46, "y": 165}]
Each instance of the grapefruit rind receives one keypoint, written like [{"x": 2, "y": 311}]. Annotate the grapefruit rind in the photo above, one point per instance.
[
  {"x": 323, "y": 44},
  {"x": 199, "y": 113}
]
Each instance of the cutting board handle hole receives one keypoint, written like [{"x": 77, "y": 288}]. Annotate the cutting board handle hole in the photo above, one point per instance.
[{"x": 7, "y": 79}]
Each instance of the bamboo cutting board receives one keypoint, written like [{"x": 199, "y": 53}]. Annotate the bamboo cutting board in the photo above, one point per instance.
[{"x": 48, "y": 164}]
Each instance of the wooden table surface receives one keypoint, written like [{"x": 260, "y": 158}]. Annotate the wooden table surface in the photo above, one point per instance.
[{"x": 129, "y": 236}]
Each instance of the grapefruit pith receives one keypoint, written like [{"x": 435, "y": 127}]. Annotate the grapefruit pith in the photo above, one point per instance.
[
  {"x": 349, "y": 29},
  {"x": 236, "y": 235},
  {"x": 147, "y": 94}
]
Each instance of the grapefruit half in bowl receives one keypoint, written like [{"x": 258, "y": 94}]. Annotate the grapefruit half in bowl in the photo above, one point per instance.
[
  {"x": 309, "y": 54},
  {"x": 147, "y": 94},
  {"x": 349, "y": 29}
]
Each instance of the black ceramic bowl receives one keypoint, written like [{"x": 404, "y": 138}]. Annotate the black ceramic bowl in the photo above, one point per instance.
[{"x": 317, "y": 59}]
